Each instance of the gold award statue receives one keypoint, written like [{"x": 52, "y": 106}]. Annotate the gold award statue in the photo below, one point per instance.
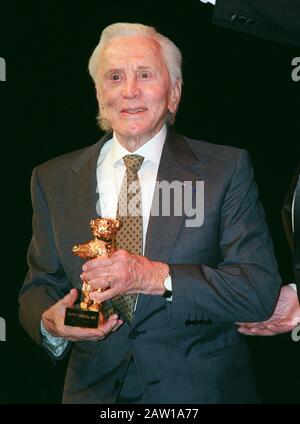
[{"x": 104, "y": 244}]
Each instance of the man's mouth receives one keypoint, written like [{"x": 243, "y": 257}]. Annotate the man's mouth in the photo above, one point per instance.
[{"x": 133, "y": 111}]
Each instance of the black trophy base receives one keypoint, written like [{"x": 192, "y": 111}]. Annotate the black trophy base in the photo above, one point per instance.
[{"x": 81, "y": 318}]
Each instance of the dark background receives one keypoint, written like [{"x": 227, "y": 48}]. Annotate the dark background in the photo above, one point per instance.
[{"x": 237, "y": 91}]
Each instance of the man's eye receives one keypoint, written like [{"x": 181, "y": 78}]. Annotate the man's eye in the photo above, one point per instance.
[
  {"x": 144, "y": 75},
  {"x": 115, "y": 77}
]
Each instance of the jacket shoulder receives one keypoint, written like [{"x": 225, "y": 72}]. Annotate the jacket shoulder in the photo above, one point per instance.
[
  {"x": 64, "y": 160},
  {"x": 215, "y": 151}
]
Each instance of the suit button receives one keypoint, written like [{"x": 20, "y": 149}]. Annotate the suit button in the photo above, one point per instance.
[
  {"x": 188, "y": 322},
  {"x": 117, "y": 384},
  {"x": 242, "y": 19},
  {"x": 153, "y": 382},
  {"x": 194, "y": 322},
  {"x": 201, "y": 322},
  {"x": 134, "y": 334}
]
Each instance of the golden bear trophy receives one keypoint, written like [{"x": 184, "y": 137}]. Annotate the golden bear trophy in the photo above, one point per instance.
[{"x": 104, "y": 244}]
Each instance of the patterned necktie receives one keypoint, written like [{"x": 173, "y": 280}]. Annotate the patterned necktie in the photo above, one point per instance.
[{"x": 130, "y": 236}]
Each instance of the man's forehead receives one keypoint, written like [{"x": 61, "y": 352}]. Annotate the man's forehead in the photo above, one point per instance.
[{"x": 132, "y": 46}]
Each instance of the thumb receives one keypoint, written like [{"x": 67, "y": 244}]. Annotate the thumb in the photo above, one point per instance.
[{"x": 70, "y": 298}]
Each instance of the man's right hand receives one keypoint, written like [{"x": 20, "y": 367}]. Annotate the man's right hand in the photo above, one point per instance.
[
  {"x": 53, "y": 321},
  {"x": 284, "y": 319}
]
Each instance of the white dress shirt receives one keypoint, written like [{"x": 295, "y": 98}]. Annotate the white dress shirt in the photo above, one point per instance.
[{"x": 111, "y": 170}]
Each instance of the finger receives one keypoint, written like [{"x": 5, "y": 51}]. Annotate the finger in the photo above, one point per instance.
[
  {"x": 104, "y": 295},
  {"x": 119, "y": 323},
  {"x": 101, "y": 283},
  {"x": 251, "y": 330},
  {"x": 111, "y": 328},
  {"x": 108, "y": 327},
  {"x": 114, "y": 316},
  {"x": 256, "y": 332},
  {"x": 101, "y": 261},
  {"x": 263, "y": 325},
  {"x": 91, "y": 334},
  {"x": 104, "y": 274},
  {"x": 70, "y": 298},
  {"x": 245, "y": 331},
  {"x": 247, "y": 324}
]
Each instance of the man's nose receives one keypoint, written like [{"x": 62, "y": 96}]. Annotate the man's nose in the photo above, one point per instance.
[{"x": 131, "y": 88}]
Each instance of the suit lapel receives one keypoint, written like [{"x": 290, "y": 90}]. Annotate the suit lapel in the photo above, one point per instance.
[
  {"x": 176, "y": 165},
  {"x": 81, "y": 203}
]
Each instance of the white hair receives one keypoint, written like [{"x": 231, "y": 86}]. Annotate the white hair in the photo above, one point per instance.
[{"x": 170, "y": 53}]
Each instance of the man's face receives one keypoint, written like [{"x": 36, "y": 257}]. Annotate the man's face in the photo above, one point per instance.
[{"x": 134, "y": 88}]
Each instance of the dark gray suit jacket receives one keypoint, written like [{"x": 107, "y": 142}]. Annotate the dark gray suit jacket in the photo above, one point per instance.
[
  {"x": 277, "y": 20},
  {"x": 185, "y": 351}
]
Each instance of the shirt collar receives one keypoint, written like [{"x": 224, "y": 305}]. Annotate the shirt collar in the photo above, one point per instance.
[{"x": 151, "y": 150}]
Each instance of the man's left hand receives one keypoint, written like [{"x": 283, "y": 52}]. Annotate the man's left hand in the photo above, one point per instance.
[{"x": 124, "y": 273}]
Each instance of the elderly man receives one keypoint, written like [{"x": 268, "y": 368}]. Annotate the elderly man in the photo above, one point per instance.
[{"x": 177, "y": 287}]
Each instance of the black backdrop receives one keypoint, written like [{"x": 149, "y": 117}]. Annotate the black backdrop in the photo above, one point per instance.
[{"x": 237, "y": 91}]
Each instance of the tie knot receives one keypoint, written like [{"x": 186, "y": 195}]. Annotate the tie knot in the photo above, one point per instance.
[{"x": 133, "y": 162}]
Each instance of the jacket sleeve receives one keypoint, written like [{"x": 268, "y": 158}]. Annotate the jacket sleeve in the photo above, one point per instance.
[
  {"x": 275, "y": 20},
  {"x": 244, "y": 286},
  {"x": 46, "y": 281}
]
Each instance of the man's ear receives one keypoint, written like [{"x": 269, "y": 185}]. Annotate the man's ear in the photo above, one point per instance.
[
  {"x": 97, "y": 93},
  {"x": 175, "y": 96}
]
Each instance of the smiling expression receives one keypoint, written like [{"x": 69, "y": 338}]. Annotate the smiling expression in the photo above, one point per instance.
[{"x": 134, "y": 88}]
